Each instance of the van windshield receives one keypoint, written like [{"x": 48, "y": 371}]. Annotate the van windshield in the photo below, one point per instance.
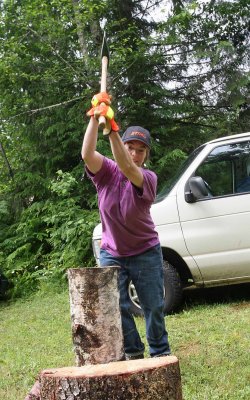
[{"x": 168, "y": 186}]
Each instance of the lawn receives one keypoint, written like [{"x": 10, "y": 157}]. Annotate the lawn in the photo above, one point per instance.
[{"x": 210, "y": 337}]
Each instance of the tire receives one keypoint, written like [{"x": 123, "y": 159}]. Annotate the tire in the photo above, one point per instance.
[
  {"x": 135, "y": 307},
  {"x": 173, "y": 289},
  {"x": 173, "y": 292}
]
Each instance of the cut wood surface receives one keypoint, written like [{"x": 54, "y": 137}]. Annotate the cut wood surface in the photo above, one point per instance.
[
  {"x": 146, "y": 379},
  {"x": 95, "y": 315}
]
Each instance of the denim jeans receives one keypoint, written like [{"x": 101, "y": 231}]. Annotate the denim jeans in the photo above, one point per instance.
[{"x": 146, "y": 272}]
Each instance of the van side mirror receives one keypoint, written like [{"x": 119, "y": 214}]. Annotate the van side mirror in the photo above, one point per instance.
[{"x": 197, "y": 189}]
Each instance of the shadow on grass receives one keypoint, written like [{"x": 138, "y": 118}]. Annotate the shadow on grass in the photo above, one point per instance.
[{"x": 215, "y": 295}]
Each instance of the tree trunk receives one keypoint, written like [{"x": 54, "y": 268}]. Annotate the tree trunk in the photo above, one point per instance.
[
  {"x": 80, "y": 29},
  {"x": 95, "y": 315},
  {"x": 6, "y": 160},
  {"x": 147, "y": 379}
]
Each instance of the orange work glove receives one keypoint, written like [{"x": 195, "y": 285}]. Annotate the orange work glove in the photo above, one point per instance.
[
  {"x": 101, "y": 97},
  {"x": 108, "y": 113}
]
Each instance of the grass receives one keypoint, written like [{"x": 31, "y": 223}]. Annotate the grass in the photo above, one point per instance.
[{"x": 210, "y": 337}]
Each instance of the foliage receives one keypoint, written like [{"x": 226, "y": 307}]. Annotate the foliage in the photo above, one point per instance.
[
  {"x": 183, "y": 76},
  {"x": 51, "y": 236}
]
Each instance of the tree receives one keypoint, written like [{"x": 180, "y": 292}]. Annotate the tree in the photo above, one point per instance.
[{"x": 184, "y": 78}]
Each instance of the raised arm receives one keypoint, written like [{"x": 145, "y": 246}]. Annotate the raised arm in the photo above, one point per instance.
[
  {"x": 91, "y": 157},
  {"x": 124, "y": 160}
]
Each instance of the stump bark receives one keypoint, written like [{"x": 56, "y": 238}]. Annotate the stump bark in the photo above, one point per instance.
[
  {"x": 147, "y": 379},
  {"x": 34, "y": 393},
  {"x": 95, "y": 315}
]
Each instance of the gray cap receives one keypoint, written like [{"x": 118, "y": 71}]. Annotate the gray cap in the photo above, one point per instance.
[{"x": 137, "y": 133}]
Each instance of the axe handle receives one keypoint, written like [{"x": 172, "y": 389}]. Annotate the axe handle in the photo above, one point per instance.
[{"x": 102, "y": 119}]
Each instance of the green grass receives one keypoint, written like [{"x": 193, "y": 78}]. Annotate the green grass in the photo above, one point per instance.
[{"x": 210, "y": 337}]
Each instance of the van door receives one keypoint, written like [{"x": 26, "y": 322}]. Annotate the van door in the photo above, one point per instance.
[{"x": 217, "y": 229}]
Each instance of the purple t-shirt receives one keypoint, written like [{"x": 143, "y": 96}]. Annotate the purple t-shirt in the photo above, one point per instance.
[{"x": 127, "y": 226}]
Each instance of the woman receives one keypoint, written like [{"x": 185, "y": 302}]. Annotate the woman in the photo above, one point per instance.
[{"x": 126, "y": 191}]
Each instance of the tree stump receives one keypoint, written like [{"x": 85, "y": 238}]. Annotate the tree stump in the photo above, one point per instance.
[
  {"x": 147, "y": 379},
  {"x": 95, "y": 315},
  {"x": 34, "y": 393}
]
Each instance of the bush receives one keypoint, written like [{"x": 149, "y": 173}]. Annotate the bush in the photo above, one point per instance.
[{"x": 50, "y": 237}]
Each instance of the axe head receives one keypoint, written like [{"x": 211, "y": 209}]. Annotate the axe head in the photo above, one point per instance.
[{"x": 105, "y": 50}]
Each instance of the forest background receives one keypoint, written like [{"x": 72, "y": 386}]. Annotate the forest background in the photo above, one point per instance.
[{"x": 178, "y": 68}]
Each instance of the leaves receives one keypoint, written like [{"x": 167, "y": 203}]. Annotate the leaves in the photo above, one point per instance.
[
  {"x": 51, "y": 236},
  {"x": 184, "y": 78}
]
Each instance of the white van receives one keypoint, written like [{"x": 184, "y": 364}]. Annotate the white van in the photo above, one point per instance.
[{"x": 202, "y": 217}]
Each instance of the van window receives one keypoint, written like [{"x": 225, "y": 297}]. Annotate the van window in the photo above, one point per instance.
[
  {"x": 168, "y": 186},
  {"x": 226, "y": 169}
]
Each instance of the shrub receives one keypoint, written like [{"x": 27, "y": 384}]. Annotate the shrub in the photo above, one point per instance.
[{"x": 50, "y": 237}]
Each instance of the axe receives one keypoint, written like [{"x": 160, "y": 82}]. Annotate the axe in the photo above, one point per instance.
[{"x": 105, "y": 63}]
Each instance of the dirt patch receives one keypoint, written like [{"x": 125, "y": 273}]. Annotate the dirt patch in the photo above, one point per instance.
[
  {"x": 240, "y": 306},
  {"x": 188, "y": 349}
]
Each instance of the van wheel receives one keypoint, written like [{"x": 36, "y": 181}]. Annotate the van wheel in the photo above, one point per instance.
[
  {"x": 172, "y": 288},
  {"x": 135, "y": 307}
]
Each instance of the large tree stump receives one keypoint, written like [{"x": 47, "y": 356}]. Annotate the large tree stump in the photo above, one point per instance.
[
  {"x": 147, "y": 379},
  {"x": 34, "y": 393},
  {"x": 95, "y": 315}
]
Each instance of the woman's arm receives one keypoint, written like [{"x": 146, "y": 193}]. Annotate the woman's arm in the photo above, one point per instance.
[
  {"x": 124, "y": 160},
  {"x": 91, "y": 157}
]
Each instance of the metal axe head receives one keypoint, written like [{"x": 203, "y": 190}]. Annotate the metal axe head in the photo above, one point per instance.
[{"x": 105, "y": 50}]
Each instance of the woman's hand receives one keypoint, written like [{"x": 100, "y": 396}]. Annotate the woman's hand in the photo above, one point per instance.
[{"x": 101, "y": 107}]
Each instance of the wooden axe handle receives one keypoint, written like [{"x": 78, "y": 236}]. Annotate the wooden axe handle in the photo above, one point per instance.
[{"x": 102, "y": 119}]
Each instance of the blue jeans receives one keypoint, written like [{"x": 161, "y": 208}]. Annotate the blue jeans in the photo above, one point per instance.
[{"x": 146, "y": 272}]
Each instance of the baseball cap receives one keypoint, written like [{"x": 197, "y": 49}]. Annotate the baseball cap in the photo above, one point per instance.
[{"x": 137, "y": 133}]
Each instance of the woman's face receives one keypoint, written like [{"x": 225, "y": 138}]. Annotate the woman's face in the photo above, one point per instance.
[{"x": 137, "y": 151}]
